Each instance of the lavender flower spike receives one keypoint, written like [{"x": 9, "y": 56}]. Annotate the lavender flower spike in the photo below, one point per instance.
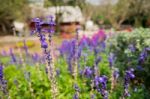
[
  {"x": 3, "y": 82},
  {"x": 128, "y": 76}
]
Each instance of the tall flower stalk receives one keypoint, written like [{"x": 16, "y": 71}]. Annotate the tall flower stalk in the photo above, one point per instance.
[
  {"x": 48, "y": 52},
  {"x": 75, "y": 70},
  {"x": 51, "y": 67},
  {"x": 129, "y": 75},
  {"x": 3, "y": 82}
]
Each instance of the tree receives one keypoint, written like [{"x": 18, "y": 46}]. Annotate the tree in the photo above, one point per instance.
[
  {"x": 11, "y": 10},
  {"x": 124, "y": 10}
]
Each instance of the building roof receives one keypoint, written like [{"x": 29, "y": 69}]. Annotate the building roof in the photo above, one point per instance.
[{"x": 68, "y": 13}]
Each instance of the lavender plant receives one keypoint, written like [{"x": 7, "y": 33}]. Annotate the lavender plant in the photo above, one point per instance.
[{"x": 48, "y": 54}]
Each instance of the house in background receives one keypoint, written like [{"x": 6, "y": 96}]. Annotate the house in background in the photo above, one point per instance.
[{"x": 68, "y": 17}]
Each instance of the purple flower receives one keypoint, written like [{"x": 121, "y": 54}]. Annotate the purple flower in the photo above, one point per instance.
[
  {"x": 116, "y": 74},
  {"x": 128, "y": 76},
  {"x": 111, "y": 59},
  {"x": 101, "y": 84},
  {"x": 57, "y": 71},
  {"x": 132, "y": 47},
  {"x": 13, "y": 57},
  {"x": 98, "y": 59},
  {"x": 1, "y": 72},
  {"x": 44, "y": 44},
  {"x": 51, "y": 23},
  {"x": 25, "y": 47},
  {"x": 143, "y": 56},
  {"x": 35, "y": 57},
  {"x": 75, "y": 96},
  {"x": 88, "y": 72},
  {"x": 3, "y": 82},
  {"x": 38, "y": 27},
  {"x": 3, "y": 53}
]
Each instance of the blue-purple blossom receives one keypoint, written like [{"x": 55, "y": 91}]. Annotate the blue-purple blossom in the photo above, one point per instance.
[
  {"x": 3, "y": 82},
  {"x": 38, "y": 27},
  {"x": 98, "y": 59},
  {"x": 12, "y": 55},
  {"x": 111, "y": 59},
  {"x": 132, "y": 47},
  {"x": 143, "y": 55},
  {"x": 77, "y": 90},
  {"x": 75, "y": 96},
  {"x": 1, "y": 72},
  {"x": 51, "y": 23},
  {"x": 44, "y": 44},
  {"x": 116, "y": 74},
  {"x": 35, "y": 57},
  {"x": 101, "y": 85},
  {"x": 88, "y": 72},
  {"x": 129, "y": 75},
  {"x": 4, "y": 53},
  {"x": 25, "y": 47}
]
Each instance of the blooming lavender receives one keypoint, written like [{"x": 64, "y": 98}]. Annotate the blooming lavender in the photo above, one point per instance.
[
  {"x": 12, "y": 55},
  {"x": 25, "y": 47},
  {"x": 3, "y": 82},
  {"x": 101, "y": 85},
  {"x": 77, "y": 90},
  {"x": 88, "y": 72},
  {"x": 111, "y": 59},
  {"x": 132, "y": 47},
  {"x": 48, "y": 55},
  {"x": 114, "y": 77},
  {"x": 129, "y": 75},
  {"x": 143, "y": 55},
  {"x": 4, "y": 53}
]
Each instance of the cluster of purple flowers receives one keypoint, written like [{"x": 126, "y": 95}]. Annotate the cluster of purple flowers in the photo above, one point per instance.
[
  {"x": 13, "y": 57},
  {"x": 77, "y": 90},
  {"x": 143, "y": 55},
  {"x": 111, "y": 59},
  {"x": 96, "y": 44},
  {"x": 129, "y": 75},
  {"x": 101, "y": 85},
  {"x": 3, "y": 82}
]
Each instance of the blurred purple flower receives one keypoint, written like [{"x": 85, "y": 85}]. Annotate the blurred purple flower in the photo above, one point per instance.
[
  {"x": 143, "y": 55},
  {"x": 25, "y": 47},
  {"x": 3, "y": 82},
  {"x": 139, "y": 67},
  {"x": 101, "y": 84},
  {"x": 35, "y": 57},
  {"x": 13, "y": 57},
  {"x": 4, "y": 53},
  {"x": 116, "y": 74},
  {"x": 132, "y": 47},
  {"x": 88, "y": 72},
  {"x": 98, "y": 59},
  {"x": 129, "y": 74},
  {"x": 111, "y": 59}
]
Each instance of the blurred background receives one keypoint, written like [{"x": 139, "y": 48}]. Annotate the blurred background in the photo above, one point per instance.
[{"x": 89, "y": 14}]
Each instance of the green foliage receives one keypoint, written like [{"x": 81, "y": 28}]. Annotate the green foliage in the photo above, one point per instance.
[
  {"x": 126, "y": 58},
  {"x": 11, "y": 10}
]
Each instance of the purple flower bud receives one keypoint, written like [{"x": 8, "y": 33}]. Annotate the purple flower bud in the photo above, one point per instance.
[
  {"x": 98, "y": 60},
  {"x": 13, "y": 57},
  {"x": 111, "y": 59},
  {"x": 128, "y": 76},
  {"x": 75, "y": 96},
  {"x": 88, "y": 72},
  {"x": 132, "y": 47},
  {"x": 44, "y": 44},
  {"x": 116, "y": 74}
]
